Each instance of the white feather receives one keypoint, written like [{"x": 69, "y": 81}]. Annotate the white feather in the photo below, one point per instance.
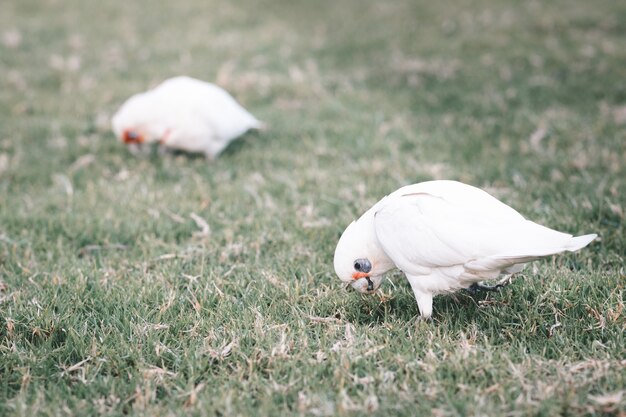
[{"x": 187, "y": 114}]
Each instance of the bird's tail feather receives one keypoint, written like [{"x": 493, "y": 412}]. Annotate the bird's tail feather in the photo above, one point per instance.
[
  {"x": 498, "y": 262},
  {"x": 579, "y": 242}
]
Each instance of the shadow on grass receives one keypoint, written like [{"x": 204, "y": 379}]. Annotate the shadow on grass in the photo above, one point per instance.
[
  {"x": 244, "y": 141},
  {"x": 402, "y": 307}
]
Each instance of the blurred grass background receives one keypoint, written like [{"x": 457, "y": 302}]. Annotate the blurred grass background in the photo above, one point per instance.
[{"x": 112, "y": 303}]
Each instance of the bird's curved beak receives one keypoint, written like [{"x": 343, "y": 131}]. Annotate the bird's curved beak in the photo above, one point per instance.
[
  {"x": 366, "y": 284},
  {"x": 359, "y": 275}
]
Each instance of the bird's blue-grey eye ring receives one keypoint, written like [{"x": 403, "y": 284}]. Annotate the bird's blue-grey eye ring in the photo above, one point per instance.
[{"x": 363, "y": 265}]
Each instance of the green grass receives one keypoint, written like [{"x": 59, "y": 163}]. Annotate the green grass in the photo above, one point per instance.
[{"x": 112, "y": 303}]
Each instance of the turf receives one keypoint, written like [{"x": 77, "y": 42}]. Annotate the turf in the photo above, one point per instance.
[{"x": 113, "y": 301}]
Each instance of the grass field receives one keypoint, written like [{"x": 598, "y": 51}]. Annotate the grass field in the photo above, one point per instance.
[{"x": 113, "y": 301}]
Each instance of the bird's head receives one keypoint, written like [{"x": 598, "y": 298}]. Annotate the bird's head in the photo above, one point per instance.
[
  {"x": 132, "y": 124},
  {"x": 359, "y": 259}
]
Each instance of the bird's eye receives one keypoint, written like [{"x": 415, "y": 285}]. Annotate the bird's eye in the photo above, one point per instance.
[
  {"x": 133, "y": 135},
  {"x": 362, "y": 265}
]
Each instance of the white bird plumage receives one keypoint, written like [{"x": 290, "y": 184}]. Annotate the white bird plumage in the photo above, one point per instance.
[
  {"x": 444, "y": 236},
  {"x": 186, "y": 114}
]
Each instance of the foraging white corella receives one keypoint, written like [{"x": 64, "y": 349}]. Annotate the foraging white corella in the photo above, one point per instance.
[
  {"x": 444, "y": 236},
  {"x": 186, "y": 114}
]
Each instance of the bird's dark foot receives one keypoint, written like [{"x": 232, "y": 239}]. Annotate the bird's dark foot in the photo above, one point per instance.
[{"x": 477, "y": 287}]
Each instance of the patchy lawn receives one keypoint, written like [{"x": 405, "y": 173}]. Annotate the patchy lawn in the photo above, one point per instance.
[{"x": 113, "y": 301}]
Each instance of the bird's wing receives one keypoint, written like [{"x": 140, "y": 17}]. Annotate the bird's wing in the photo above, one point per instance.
[
  {"x": 209, "y": 104},
  {"x": 458, "y": 225}
]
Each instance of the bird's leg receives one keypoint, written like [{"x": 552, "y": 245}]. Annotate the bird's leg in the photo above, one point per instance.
[
  {"x": 163, "y": 150},
  {"x": 209, "y": 155},
  {"x": 506, "y": 280},
  {"x": 370, "y": 284},
  {"x": 423, "y": 297},
  {"x": 425, "y": 305}
]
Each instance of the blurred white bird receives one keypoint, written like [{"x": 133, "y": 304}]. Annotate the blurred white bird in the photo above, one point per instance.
[
  {"x": 444, "y": 236},
  {"x": 186, "y": 114}
]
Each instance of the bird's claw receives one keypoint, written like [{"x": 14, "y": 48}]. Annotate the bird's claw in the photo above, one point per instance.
[
  {"x": 478, "y": 286},
  {"x": 423, "y": 319}
]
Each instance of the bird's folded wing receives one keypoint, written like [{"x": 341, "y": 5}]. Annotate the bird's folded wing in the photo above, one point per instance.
[{"x": 421, "y": 230}]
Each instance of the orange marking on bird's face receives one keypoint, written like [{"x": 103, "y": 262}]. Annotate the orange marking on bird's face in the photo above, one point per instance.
[
  {"x": 131, "y": 136},
  {"x": 165, "y": 136},
  {"x": 358, "y": 275}
]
